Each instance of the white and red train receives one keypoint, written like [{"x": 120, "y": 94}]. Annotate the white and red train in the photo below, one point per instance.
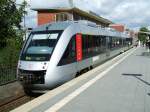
[{"x": 55, "y": 53}]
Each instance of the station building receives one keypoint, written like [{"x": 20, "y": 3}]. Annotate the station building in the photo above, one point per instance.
[
  {"x": 118, "y": 27},
  {"x": 65, "y": 10},
  {"x": 54, "y": 11}
]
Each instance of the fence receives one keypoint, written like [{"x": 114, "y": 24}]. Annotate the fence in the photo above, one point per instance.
[{"x": 7, "y": 74}]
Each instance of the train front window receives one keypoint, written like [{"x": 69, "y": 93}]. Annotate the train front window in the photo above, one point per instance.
[{"x": 40, "y": 46}]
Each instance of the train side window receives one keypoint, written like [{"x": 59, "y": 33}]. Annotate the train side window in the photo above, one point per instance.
[
  {"x": 113, "y": 43},
  {"x": 93, "y": 45},
  {"x": 116, "y": 42},
  {"x": 103, "y": 43},
  {"x": 90, "y": 46},
  {"x": 87, "y": 45},
  {"x": 120, "y": 42},
  {"x": 69, "y": 55}
]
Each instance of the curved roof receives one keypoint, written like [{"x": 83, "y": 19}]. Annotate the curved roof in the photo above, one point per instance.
[
  {"x": 54, "y": 26},
  {"x": 63, "y": 25}
]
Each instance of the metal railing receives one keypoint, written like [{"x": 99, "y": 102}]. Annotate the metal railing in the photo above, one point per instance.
[{"x": 7, "y": 74}]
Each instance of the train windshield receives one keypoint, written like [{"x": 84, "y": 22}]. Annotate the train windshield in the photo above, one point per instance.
[{"x": 40, "y": 46}]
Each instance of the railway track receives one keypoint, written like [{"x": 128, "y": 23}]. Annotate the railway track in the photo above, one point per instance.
[{"x": 14, "y": 102}]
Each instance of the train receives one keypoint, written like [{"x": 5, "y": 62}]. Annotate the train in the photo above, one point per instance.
[{"x": 57, "y": 52}]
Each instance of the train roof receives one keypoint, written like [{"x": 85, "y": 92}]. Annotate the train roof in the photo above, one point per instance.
[
  {"x": 64, "y": 24},
  {"x": 54, "y": 26}
]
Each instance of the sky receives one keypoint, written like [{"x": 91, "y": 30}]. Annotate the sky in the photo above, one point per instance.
[{"x": 131, "y": 13}]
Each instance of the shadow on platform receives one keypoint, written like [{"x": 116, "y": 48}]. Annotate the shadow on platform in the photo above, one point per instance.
[
  {"x": 148, "y": 94},
  {"x": 137, "y": 76},
  {"x": 132, "y": 74}
]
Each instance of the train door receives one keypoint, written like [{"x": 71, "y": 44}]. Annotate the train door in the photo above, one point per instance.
[{"x": 79, "y": 54}]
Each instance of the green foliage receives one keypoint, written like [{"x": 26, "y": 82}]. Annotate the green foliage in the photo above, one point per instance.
[
  {"x": 10, "y": 30},
  {"x": 142, "y": 36},
  {"x": 10, "y": 18},
  {"x": 10, "y": 54}
]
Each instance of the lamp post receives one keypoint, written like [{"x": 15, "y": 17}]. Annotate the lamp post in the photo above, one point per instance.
[{"x": 24, "y": 20}]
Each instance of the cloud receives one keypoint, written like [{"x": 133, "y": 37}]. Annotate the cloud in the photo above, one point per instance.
[
  {"x": 30, "y": 17},
  {"x": 132, "y": 13},
  {"x": 45, "y": 4}
]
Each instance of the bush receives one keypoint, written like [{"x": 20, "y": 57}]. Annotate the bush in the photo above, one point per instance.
[{"x": 9, "y": 55}]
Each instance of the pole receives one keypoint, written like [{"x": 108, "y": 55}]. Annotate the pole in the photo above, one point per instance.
[{"x": 24, "y": 25}]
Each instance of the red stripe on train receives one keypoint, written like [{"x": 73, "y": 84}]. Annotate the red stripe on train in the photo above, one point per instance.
[{"x": 79, "y": 47}]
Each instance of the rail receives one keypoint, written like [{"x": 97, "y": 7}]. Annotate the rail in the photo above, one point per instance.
[{"x": 16, "y": 101}]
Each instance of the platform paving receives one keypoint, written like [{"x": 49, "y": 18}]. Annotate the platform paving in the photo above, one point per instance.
[{"x": 125, "y": 88}]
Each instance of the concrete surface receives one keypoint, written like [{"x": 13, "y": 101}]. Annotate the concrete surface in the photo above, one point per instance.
[{"x": 125, "y": 88}]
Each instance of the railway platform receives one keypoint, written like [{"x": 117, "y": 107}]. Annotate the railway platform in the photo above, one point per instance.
[{"x": 122, "y": 84}]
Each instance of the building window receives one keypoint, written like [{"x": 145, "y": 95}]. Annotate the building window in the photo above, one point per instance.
[
  {"x": 63, "y": 16},
  {"x": 77, "y": 17}
]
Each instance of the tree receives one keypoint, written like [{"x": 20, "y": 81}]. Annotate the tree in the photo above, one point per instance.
[
  {"x": 11, "y": 34},
  {"x": 141, "y": 36},
  {"x": 10, "y": 18}
]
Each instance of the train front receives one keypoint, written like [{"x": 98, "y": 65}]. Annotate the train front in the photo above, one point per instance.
[{"x": 35, "y": 58}]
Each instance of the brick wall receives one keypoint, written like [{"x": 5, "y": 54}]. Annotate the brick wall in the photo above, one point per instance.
[
  {"x": 45, "y": 17},
  {"x": 118, "y": 27}
]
